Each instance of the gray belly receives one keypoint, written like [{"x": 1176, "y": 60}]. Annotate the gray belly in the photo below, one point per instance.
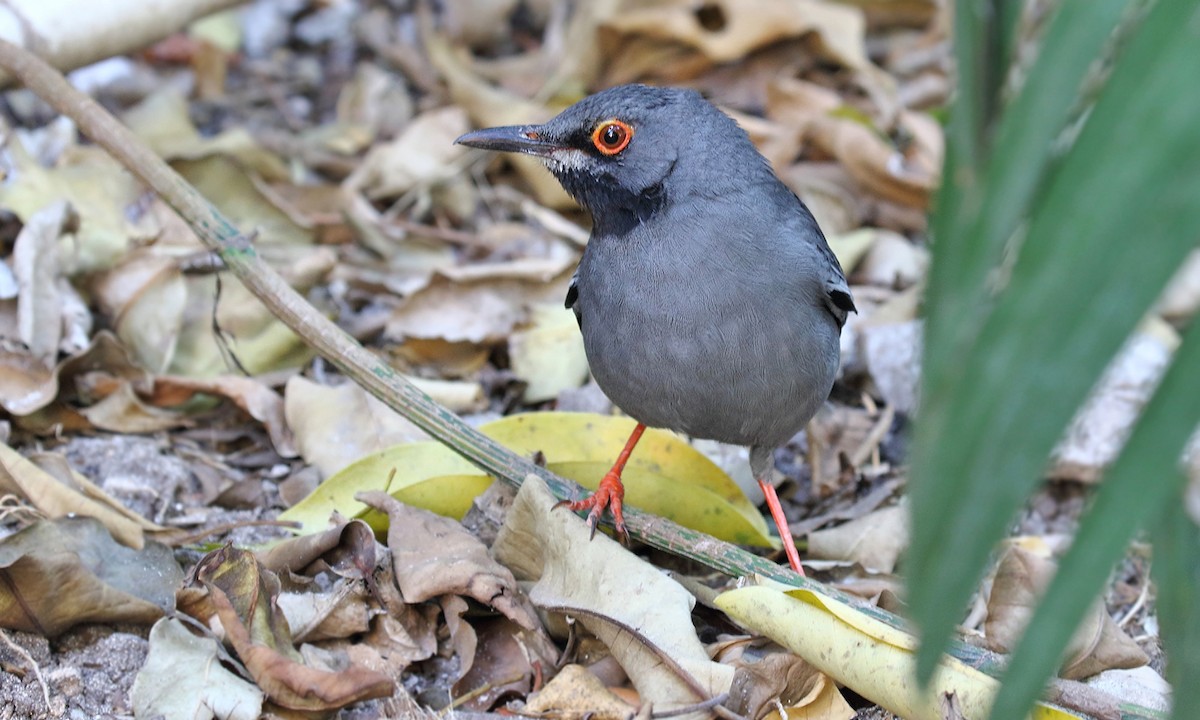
[{"x": 731, "y": 366}]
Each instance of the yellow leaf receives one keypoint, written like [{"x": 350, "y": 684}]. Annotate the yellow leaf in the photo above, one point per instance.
[
  {"x": 864, "y": 654},
  {"x": 665, "y": 475},
  {"x": 427, "y": 475}
]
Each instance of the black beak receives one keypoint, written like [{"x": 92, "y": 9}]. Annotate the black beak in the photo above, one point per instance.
[{"x": 526, "y": 139}]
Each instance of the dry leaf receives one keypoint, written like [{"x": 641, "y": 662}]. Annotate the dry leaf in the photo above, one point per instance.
[
  {"x": 502, "y": 666},
  {"x": 230, "y": 586},
  {"x": 880, "y": 168},
  {"x": 576, "y": 694},
  {"x": 256, "y": 399},
  {"x": 892, "y": 261},
  {"x": 183, "y": 678},
  {"x": 433, "y": 556},
  {"x": 106, "y": 197},
  {"x": 423, "y": 155},
  {"x": 334, "y": 426},
  {"x": 63, "y": 497},
  {"x": 726, "y": 31},
  {"x": 36, "y": 266},
  {"x": 782, "y": 680},
  {"x": 548, "y": 355},
  {"x": 64, "y": 572},
  {"x": 478, "y": 309},
  {"x": 1021, "y": 577},
  {"x": 488, "y": 105},
  {"x": 640, "y": 614},
  {"x": 874, "y": 541}
]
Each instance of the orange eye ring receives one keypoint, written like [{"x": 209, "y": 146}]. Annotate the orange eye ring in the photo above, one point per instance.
[{"x": 611, "y": 137}]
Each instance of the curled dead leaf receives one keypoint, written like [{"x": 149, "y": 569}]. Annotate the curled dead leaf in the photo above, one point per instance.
[
  {"x": 782, "y": 680},
  {"x": 230, "y": 586},
  {"x": 434, "y": 556},
  {"x": 1021, "y": 576}
]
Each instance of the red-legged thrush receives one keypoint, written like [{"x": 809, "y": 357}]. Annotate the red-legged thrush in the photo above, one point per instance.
[{"x": 709, "y": 301}]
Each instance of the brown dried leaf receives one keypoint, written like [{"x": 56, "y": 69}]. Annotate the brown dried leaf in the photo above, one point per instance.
[
  {"x": 334, "y": 426},
  {"x": 27, "y": 386},
  {"x": 880, "y": 168},
  {"x": 784, "y": 680},
  {"x": 406, "y": 636},
  {"x": 1021, "y": 576},
  {"x": 480, "y": 305},
  {"x": 121, "y": 410},
  {"x": 56, "y": 496},
  {"x": 502, "y": 665},
  {"x": 488, "y": 105},
  {"x": 243, "y": 596},
  {"x": 347, "y": 548},
  {"x": 434, "y": 556},
  {"x": 576, "y": 694},
  {"x": 327, "y": 611},
  {"x": 145, "y": 297},
  {"x": 423, "y": 155},
  {"x": 256, "y": 399},
  {"x": 60, "y": 573},
  {"x": 726, "y": 31}
]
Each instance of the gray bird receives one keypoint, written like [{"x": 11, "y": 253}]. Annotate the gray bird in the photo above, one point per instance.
[{"x": 708, "y": 299}]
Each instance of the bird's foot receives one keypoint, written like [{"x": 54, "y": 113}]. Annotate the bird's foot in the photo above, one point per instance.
[{"x": 608, "y": 496}]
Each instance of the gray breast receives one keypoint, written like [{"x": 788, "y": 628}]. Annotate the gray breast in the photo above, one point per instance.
[{"x": 706, "y": 343}]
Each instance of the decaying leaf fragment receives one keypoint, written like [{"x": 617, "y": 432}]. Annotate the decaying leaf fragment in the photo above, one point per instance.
[
  {"x": 435, "y": 558},
  {"x": 229, "y": 587},
  {"x": 875, "y": 540}
]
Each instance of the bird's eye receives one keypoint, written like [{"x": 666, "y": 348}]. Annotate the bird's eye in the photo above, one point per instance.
[{"x": 611, "y": 137}]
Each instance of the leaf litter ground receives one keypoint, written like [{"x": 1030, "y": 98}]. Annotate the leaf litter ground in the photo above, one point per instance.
[{"x": 330, "y": 133}]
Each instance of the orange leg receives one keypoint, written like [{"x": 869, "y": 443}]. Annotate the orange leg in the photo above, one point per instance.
[
  {"x": 610, "y": 492},
  {"x": 785, "y": 533}
]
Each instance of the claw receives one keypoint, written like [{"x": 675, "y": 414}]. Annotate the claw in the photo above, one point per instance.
[{"x": 608, "y": 496}]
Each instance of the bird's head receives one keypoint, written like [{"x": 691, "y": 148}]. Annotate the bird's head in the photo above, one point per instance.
[{"x": 624, "y": 151}]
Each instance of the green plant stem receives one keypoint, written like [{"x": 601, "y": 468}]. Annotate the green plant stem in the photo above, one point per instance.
[{"x": 377, "y": 377}]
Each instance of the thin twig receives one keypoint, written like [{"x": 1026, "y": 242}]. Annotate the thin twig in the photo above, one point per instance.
[
  {"x": 708, "y": 704},
  {"x": 37, "y": 670}
]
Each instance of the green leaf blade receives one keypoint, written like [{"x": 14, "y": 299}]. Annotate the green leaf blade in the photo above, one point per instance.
[
  {"x": 1139, "y": 484},
  {"x": 1083, "y": 279}
]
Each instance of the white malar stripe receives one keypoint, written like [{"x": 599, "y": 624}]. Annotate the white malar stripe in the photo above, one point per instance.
[{"x": 565, "y": 159}]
